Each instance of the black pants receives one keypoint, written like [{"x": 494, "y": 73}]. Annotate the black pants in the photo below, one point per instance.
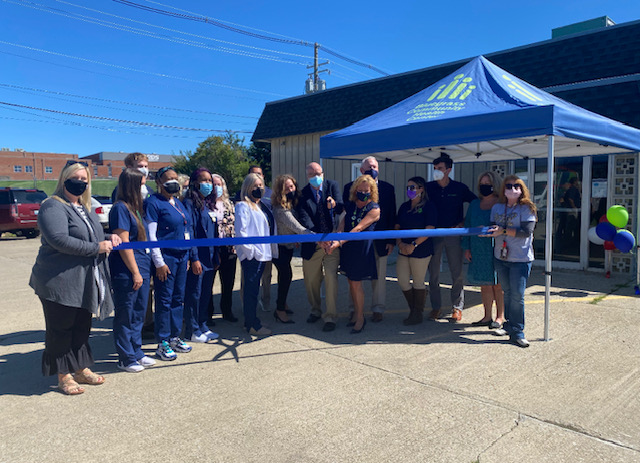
[
  {"x": 66, "y": 345},
  {"x": 285, "y": 275},
  {"x": 227, "y": 272}
]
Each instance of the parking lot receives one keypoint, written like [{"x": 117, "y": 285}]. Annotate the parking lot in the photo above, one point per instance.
[{"x": 434, "y": 392}]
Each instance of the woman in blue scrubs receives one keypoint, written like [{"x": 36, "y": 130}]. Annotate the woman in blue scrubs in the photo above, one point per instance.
[
  {"x": 169, "y": 220},
  {"x": 130, "y": 272},
  {"x": 200, "y": 202}
]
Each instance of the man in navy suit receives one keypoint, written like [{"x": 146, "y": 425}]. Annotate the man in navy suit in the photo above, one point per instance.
[
  {"x": 387, "y": 202},
  {"x": 318, "y": 209}
]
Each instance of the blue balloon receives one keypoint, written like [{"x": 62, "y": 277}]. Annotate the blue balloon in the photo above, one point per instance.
[
  {"x": 624, "y": 240},
  {"x": 606, "y": 231}
]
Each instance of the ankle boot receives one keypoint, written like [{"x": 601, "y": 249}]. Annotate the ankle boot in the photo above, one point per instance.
[
  {"x": 415, "y": 316},
  {"x": 419, "y": 297}
]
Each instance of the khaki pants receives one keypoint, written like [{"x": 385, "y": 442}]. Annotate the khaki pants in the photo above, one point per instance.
[
  {"x": 322, "y": 266},
  {"x": 411, "y": 267}
]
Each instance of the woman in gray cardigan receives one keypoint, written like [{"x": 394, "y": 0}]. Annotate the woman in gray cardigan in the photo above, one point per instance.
[
  {"x": 71, "y": 278},
  {"x": 284, "y": 199}
]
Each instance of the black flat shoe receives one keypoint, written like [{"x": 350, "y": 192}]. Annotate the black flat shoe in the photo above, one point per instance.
[
  {"x": 278, "y": 319},
  {"x": 329, "y": 326},
  {"x": 354, "y": 331},
  {"x": 483, "y": 323},
  {"x": 350, "y": 324},
  {"x": 230, "y": 318},
  {"x": 313, "y": 318},
  {"x": 495, "y": 325}
]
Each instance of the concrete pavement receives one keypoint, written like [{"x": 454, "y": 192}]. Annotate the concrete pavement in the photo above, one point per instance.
[{"x": 437, "y": 392}]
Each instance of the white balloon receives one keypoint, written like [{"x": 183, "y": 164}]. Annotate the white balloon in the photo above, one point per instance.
[{"x": 593, "y": 237}]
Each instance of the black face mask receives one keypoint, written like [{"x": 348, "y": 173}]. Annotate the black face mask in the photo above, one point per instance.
[
  {"x": 363, "y": 196},
  {"x": 75, "y": 187},
  {"x": 486, "y": 190},
  {"x": 257, "y": 193},
  {"x": 291, "y": 196},
  {"x": 172, "y": 187}
]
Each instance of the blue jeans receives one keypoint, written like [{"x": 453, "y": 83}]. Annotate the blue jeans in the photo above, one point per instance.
[
  {"x": 130, "y": 309},
  {"x": 513, "y": 277},
  {"x": 252, "y": 273},
  {"x": 196, "y": 303},
  {"x": 170, "y": 297}
]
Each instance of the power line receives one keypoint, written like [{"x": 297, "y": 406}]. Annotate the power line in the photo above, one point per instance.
[
  {"x": 127, "y": 102},
  {"x": 127, "y": 68},
  {"x": 244, "y": 31},
  {"x": 111, "y": 119}
]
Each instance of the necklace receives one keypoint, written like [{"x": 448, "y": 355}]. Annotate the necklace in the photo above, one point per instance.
[{"x": 357, "y": 217}]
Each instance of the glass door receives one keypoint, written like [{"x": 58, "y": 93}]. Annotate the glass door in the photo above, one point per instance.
[
  {"x": 567, "y": 209},
  {"x": 598, "y": 209}
]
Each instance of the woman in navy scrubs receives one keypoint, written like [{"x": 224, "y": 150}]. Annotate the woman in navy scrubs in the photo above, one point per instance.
[
  {"x": 130, "y": 272},
  {"x": 414, "y": 254},
  {"x": 169, "y": 220},
  {"x": 200, "y": 202}
]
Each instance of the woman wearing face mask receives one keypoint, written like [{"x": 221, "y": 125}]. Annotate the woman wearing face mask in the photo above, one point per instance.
[
  {"x": 71, "y": 278},
  {"x": 130, "y": 273},
  {"x": 415, "y": 253},
  {"x": 225, "y": 221},
  {"x": 515, "y": 219},
  {"x": 199, "y": 203},
  {"x": 251, "y": 221},
  {"x": 169, "y": 220},
  {"x": 284, "y": 199},
  {"x": 357, "y": 258},
  {"x": 479, "y": 251}
]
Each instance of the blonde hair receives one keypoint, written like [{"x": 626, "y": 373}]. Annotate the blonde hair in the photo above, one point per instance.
[
  {"x": 494, "y": 178},
  {"x": 66, "y": 174},
  {"x": 132, "y": 159},
  {"x": 225, "y": 192},
  {"x": 524, "y": 199},
  {"x": 278, "y": 196},
  {"x": 247, "y": 187},
  {"x": 372, "y": 185}
]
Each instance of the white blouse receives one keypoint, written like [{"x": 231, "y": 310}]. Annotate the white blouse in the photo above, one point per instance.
[{"x": 252, "y": 222}]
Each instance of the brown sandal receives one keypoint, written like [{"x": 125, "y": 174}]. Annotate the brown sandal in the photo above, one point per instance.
[
  {"x": 89, "y": 378},
  {"x": 70, "y": 387}
]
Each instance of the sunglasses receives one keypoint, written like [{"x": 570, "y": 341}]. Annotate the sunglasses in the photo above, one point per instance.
[
  {"x": 413, "y": 187},
  {"x": 71, "y": 162},
  {"x": 511, "y": 186}
]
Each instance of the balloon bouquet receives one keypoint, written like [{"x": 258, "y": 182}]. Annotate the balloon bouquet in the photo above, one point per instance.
[{"x": 607, "y": 232}]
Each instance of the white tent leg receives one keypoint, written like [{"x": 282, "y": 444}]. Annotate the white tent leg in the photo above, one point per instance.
[{"x": 548, "y": 254}]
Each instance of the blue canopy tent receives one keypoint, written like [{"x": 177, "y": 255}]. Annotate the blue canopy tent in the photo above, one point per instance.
[{"x": 483, "y": 113}]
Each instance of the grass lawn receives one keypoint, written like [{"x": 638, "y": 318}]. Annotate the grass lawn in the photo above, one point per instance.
[{"x": 98, "y": 187}]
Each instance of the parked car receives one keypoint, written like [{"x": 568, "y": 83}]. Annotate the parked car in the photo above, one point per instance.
[
  {"x": 101, "y": 205},
  {"x": 19, "y": 211}
]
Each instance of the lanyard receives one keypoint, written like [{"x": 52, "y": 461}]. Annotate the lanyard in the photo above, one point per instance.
[{"x": 184, "y": 218}]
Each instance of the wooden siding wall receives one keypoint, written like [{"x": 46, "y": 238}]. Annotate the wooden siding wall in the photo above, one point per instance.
[{"x": 290, "y": 155}]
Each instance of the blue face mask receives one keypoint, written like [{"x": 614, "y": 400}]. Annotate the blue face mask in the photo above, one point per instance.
[
  {"x": 218, "y": 191},
  {"x": 363, "y": 196},
  {"x": 372, "y": 172},
  {"x": 316, "y": 181},
  {"x": 205, "y": 189}
]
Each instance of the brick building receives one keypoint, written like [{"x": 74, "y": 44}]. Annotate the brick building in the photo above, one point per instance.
[
  {"x": 109, "y": 164},
  {"x": 26, "y": 165}
]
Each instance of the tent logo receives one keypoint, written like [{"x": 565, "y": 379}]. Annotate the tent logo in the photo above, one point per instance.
[
  {"x": 513, "y": 85},
  {"x": 460, "y": 83}
]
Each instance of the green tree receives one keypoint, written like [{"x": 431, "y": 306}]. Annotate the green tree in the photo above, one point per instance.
[
  {"x": 223, "y": 155},
  {"x": 260, "y": 153}
]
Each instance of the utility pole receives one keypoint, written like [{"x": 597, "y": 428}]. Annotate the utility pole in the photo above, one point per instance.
[{"x": 314, "y": 77}]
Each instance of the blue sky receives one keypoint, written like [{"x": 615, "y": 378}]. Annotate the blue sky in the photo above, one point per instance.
[{"x": 110, "y": 89}]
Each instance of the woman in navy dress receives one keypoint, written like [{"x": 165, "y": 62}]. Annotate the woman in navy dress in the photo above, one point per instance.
[
  {"x": 130, "y": 272},
  {"x": 169, "y": 220},
  {"x": 357, "y": 258},
  {"x": 200, "y": 202}
]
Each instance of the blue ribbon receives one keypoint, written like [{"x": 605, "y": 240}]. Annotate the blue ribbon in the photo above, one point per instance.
[{"x": 311, "y": 238}]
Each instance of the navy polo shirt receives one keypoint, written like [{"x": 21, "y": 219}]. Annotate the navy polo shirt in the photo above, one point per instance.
[
  {"x": 449, "y": 202},
  {"x": 173, "y": 221},
  {"x": 420, "y": 218},
  {"x": 121, "y": 218}
]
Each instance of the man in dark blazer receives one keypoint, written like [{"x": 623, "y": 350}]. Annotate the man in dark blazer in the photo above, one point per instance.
[
  {"x": 318, "y": 210},
  {"x": 383, "y": 248}
]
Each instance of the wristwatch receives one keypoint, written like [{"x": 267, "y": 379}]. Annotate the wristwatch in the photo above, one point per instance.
[
  {"x": 504, "y": 231},
  {"x": 415, "y": 245}
]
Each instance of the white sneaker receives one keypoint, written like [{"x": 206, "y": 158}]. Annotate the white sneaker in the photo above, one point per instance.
[
  {"x": 211, "y": 336},
  {"x": 134, "y": 367},
  {"x": 165, "y": 352},
  {"x": 521, "y": 342},
  {"x": 179, "y": 345},
  {"x": 500, "y": 332},
  {"x": 199, "y": 338},
  {"x": 146, "y": 361}
]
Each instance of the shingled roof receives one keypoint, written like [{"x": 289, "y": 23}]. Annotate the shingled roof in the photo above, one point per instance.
[{"x": 606, "y": 54}]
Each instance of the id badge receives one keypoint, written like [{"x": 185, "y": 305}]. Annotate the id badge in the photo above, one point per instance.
[
  {"x": 213, "y": 217},
  {"x": 504, "y": 252},
  {"x": 187, "y": 236}
]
